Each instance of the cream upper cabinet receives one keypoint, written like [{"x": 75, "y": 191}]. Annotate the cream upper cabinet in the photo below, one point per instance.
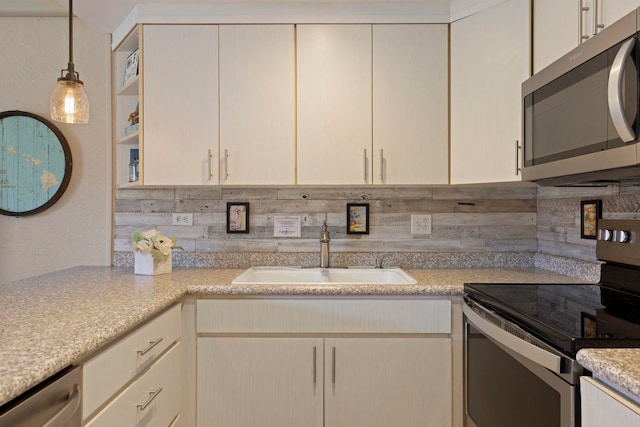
[
  {"x": 560, "y": 25},
  {"x": 334, "y": 104},
  {"x": 603, "y": 407},
  {"x": 181, "y": 104},
  {"x": 489, "y": 62},
  {"x": 410, "y": 104},
  {"x": 257, "y": 104},
  {"x": 555, "y": 30},
  {"x": 609, "y": 11}
]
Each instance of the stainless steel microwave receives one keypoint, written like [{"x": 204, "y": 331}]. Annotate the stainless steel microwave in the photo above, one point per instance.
[{"x": 581, "y": 121}]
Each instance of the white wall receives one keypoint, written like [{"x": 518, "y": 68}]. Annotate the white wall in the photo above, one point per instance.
[{"x": 77, "y": 229}]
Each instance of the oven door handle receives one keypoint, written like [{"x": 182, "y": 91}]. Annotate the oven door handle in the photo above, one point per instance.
[{"x": 528, "y": 351}]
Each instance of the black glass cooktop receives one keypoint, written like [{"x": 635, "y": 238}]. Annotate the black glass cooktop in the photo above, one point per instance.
[{"x": 568, "y": 317}]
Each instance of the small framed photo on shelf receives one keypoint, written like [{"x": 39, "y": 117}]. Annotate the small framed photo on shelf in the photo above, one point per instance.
[
  {"x": 237, "y": 217},
  {"x": 357, "y": 218},
  {"x": 131, "y": 66},
  {"x": 590, "y": 213}
]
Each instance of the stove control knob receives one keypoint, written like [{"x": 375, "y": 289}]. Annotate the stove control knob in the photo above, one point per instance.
[
  {"x": 621, "y": 236},
  {"x": 605, "y": 234}
]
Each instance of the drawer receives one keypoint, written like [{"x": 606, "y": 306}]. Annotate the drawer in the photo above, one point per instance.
[
  {"x": 324, "y": 315},
  {"x": 110, "y": 370},
  {"x": 153, "y": 400}
]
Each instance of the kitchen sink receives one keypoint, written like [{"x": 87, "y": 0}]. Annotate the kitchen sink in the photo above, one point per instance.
[{"x": 332, "y": 276}]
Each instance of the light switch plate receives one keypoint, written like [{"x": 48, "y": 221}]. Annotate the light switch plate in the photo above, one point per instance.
[
  {"x": 421, "y": 224},
  {"x": 182, "y": 219}
]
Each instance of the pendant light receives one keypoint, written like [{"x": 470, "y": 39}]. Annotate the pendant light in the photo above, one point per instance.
[{"x": 69, "y": 102}]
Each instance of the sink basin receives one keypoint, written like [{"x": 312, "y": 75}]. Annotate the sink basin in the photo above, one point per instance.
[{"x": 313, "y": 276}]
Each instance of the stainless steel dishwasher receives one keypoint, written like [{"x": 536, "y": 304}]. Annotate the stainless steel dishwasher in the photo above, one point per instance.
[{"x": 54, "y": 403}]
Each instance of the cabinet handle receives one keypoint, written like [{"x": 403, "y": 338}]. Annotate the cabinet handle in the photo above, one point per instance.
[
  {"x": 152, "y": 395},
  {"x": 596, "y": 26},
  {"x": 314, "y": 364},
  {"x": 226, "y": 164},
  {"x": 333, "y": 365},
  {"x": 148, "y": 348},
  {"x": 209, "y": 168},
  {"x": 365, "y": 166},
  {"x": 381, "y": 166},
  {"x": 518, "y": 169},
  {"x": 581, "y": 10}
]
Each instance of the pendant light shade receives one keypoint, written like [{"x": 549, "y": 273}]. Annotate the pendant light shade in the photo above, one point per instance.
[{"x": 69, "y": 102}]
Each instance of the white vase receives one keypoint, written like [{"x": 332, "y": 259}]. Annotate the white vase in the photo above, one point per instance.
[{"x": 144, "y": 264}]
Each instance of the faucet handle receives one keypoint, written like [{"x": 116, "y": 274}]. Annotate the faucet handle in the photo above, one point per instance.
[{"x": 379, "y": 260}]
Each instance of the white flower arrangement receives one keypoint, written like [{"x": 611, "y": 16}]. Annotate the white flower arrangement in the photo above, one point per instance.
[{"x": 153, "y": 242}]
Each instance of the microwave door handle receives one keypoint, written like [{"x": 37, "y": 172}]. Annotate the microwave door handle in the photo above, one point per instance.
[
  {"x": 615, "y": 92},
  {"x": 528, "y": 351}
]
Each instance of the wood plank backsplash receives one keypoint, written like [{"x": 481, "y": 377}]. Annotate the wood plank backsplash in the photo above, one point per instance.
[
  {"x": 465, "y": 219},
  {"x": 515, "y": 224}
]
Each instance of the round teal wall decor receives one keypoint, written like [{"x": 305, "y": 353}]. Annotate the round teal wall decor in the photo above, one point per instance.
[{"x": 35, "y": 163}]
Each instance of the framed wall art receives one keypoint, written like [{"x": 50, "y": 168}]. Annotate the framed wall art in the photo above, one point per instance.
[
  {"x": 590, "y": 213},
  {"x": 357, "y": 218},
  {"x": 35, "y": 163},
  {"x": 131, "y": 66},
  {"x": 237, "y": 217}
]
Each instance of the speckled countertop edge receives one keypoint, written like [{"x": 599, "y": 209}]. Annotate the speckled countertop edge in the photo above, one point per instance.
[
  {"x": 51, "y": 321},
  {"x": 618, "y": 366}
]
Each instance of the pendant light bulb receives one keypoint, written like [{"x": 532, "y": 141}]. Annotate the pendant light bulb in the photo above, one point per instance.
[{"x": 69, "y": 102}]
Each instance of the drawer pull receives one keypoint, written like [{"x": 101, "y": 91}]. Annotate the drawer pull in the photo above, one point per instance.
[
  {"x": 152, "y": 395},
  {"x": 314, "y": 364},
  {"x": 148, "y": 348}
]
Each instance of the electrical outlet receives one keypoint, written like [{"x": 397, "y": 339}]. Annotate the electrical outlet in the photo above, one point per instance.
[
  {"x": 182, "y": 219},
  {"x": 421, "y": 224}
]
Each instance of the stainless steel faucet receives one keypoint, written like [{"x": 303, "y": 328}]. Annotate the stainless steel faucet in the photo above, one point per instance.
[{"x": 324, "y": 246}]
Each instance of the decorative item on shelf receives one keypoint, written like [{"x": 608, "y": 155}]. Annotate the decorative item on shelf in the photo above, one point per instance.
[
  {"x": 134, "y": 122},
  {"x": 357, "y": 218},
  {"x": 69, "y": 102},
  {"x": 152, "y": 252},
  {"x": 131, "y": 66},
  {"x": 590, "y": 213},
  {"x": 237, "y": 217}
]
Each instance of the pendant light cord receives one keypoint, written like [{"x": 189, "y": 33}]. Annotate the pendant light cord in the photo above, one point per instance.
[{"x": 71, "y": 31}]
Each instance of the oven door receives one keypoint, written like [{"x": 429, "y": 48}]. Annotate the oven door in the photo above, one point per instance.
[{"x": 511, "y": 382}]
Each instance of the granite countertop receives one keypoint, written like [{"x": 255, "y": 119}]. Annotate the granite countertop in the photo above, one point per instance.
[
  {"x": 617, "y": 366},
  {"x": 51, "y": 321}
]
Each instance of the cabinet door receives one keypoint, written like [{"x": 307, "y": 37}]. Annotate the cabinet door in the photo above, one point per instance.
[
  {"x": 489, "y": 62},
  {"x": 555, "y": 30},
  {"x": 388, "y": 382},
  {"x": 334, "y": 104},
  {"x": 609, "y": 11},
  {"x": 410, "y": 104},
  {"x": 602, "y": 407},
  {"x": 260, "y": 382},
  {"x": 257, "y": 104},
  {"x": 180, "y": 78}
]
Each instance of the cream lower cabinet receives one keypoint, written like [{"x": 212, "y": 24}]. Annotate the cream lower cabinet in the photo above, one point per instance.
[
  {"x": 258, "y": 365},
  {"x": 603, "y": 407},
  {"x": 137, "y": 381}
]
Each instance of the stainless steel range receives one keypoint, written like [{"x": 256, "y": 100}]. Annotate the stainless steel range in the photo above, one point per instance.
[{"x": 521, "y": 339}]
